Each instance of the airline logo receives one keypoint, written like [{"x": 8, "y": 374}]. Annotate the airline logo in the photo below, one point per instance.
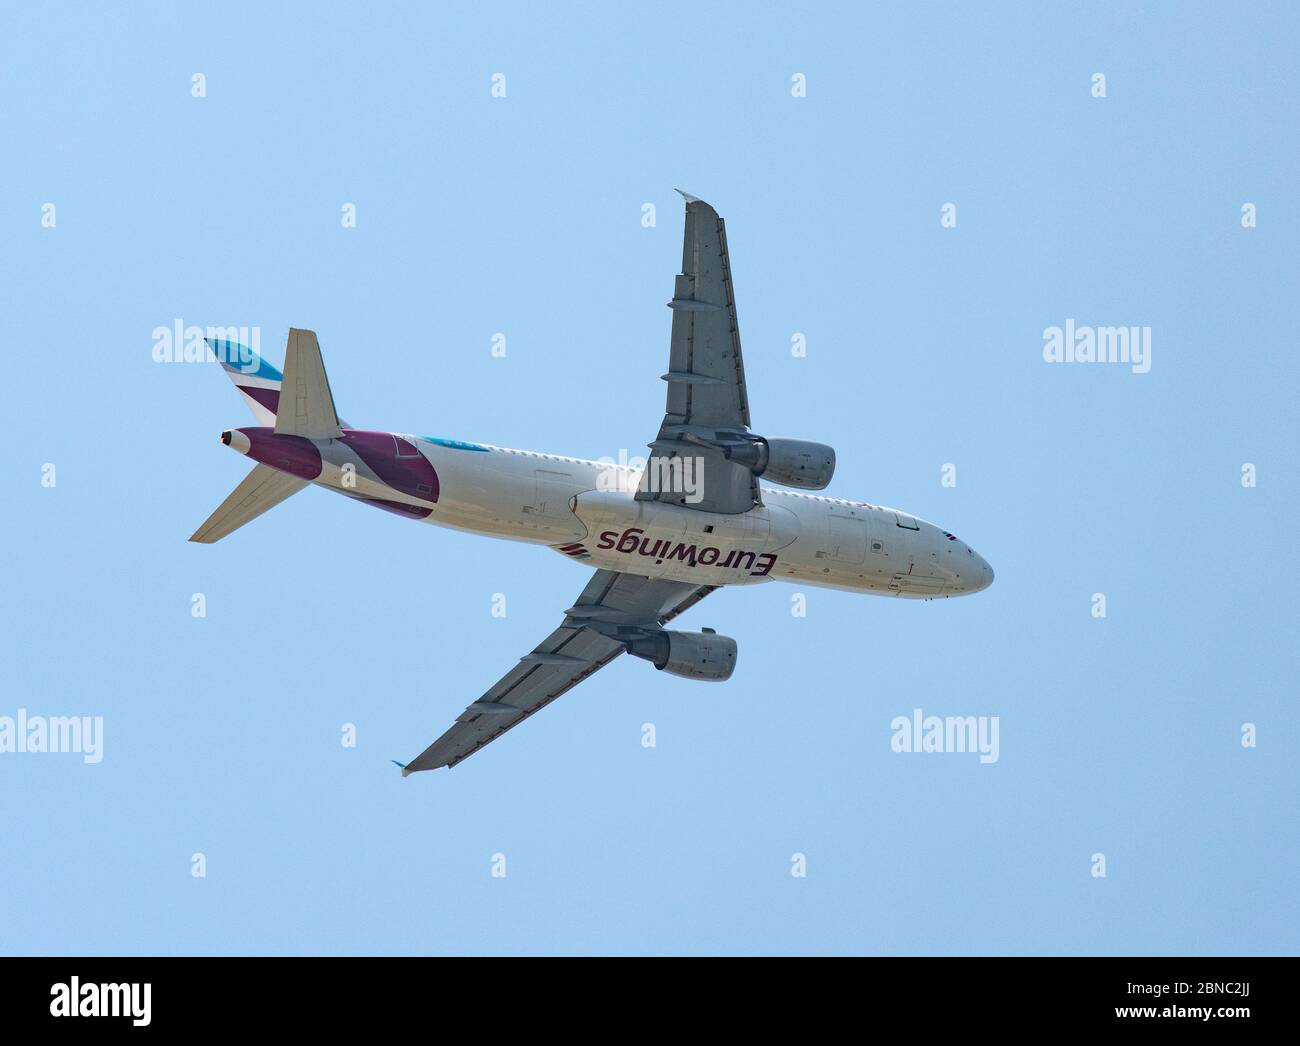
[{"x": 632, "y": 542}]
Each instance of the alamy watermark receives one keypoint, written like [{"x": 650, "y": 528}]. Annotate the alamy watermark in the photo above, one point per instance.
[
  {"x": 671, "y": 475},
  {"x": 931, "y": 733},
  {"x": 238, "y": 346},
  {"x": 56, "y": 734},
  {"x": 1082, "y": 344},
  {"x": 71, "y": 998}
]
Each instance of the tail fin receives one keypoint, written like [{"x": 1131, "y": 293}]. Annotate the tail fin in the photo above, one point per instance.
[
  {"x": 308, "y": 413},
  {"x": 257, "y": 381},
  {"x": 262, "y": 489},
  {"x": 309, "y": 404}
]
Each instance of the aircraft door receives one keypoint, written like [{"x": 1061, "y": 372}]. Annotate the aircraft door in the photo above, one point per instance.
[{"x": 847, "y": 536}]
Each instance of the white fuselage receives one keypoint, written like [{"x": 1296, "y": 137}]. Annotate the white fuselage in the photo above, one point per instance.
[{"x": 587, "y": 510}]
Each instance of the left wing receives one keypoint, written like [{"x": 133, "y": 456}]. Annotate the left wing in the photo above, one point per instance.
[
  {"x": 707, "y": 408},
  {"x": 612, "y": 609}
]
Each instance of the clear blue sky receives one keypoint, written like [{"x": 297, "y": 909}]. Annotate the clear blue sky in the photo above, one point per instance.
[{"x": 522, "y": 215}]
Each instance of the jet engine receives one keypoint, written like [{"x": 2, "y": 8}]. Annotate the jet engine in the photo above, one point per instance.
[
  {"x": 694, "y": 655},
  {"x": 789, "y": 462}
]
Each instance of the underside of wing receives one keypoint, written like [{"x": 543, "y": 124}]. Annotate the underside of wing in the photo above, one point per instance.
[
  {"x": 707, "y": 402},
  {"x": 261, "y": 489},
  {"x": 706, "y": 372},
  {"x": 612, "y": 609}
]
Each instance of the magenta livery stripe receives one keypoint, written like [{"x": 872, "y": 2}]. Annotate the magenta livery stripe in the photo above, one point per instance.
[{"x": 268, "y": 398}]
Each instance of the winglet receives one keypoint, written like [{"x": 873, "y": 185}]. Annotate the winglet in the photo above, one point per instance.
[
  {"x": 689, "y": 198},
  {"x": 402, "y": 766}
]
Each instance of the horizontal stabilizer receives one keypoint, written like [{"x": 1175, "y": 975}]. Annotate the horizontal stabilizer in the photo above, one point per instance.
[{"x": 263, "y": 488}]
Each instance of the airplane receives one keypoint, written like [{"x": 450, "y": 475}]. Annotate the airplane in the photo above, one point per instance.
[{"x": 660, "y": 538}]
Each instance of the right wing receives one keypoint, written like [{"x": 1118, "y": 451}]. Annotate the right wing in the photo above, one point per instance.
[
  {"x": 261, "y": 489},
  {"x": 707, "y": 403},
  {"x": 306, "y": 405},
  {"x": 611, "y": 605}
]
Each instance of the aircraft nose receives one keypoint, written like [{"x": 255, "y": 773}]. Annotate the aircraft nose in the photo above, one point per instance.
[{"x": 986, "y": 573}]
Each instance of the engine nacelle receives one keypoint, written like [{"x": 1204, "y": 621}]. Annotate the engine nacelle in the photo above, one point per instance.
[
  {"x": 790, "y": 462},
  {"x": 694, "y": 655}
]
